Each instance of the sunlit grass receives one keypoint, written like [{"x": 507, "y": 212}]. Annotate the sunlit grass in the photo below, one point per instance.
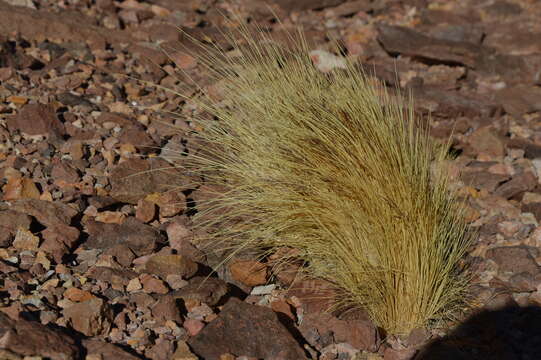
[{"x": 334, "y": 166}]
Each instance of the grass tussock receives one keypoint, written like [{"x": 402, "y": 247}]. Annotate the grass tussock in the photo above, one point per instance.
[{"x": 335, "y": 167}]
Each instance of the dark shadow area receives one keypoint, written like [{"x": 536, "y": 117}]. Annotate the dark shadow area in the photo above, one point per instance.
[{"x": 512, "y": 333}]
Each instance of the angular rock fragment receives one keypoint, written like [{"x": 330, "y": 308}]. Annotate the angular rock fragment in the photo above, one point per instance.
[
  {"x": 140, "y": 238},
  {"x": 36, "y": 119},
  {"x": 26, "y": 338},
  {"x": 91, "y": 317},
  {"x": 242, "y": 329}
]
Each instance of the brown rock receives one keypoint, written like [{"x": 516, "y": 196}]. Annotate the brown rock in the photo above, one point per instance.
[
  {"x": 28, "y": 338},
  {"x": 360, "y": 333},
  {"x": 138, "y": 237},
  {"x": 534, "y": 208},
  {"x": 111, "y": 276},
  {"x": 281, "y": 306},
  {"x": 25, "y": 240},
  {"x": 183, "y": 352},
  {"x": 135, "y": 135},
  {"x": 171, "y": 203},
  {"x": 485, "y": 141},
  {"x": 153, "y": 285},
  {"x": 20, "y": 188},
  {"x": 520, "y": 99},
  {"x": 164, "y": 32},
  {"x": 516, "y": 259},
  {"x": 408, "y": 42},
  {"x": 36, "y": 119},
  {"x": 145, "y": 211},
  {"x": 517, "y": 185},
  {"x": 403, "y": 354},
  {"x": 105, "y": 351},
  {"x": 77, "y": 295},
  {"x": 167, "y": 309},
  {"x": 62, "y": 27},
  {"x": 483, "y": 179},
  {"x": 203, "y": 289},
  {"x": 162, "y": 350},
  {"x": 250, "y": 273},
  {"x": 10, "y": 221},
  {"x": 449, "y": 104},
  {"x": 524, "y": 282},
  {"x": 163, "y": 265},
  {"x": 134, "y": 179},
  {"x": 122, "y": 254},
  {"x": 239, "y": 321},
  {"x": 303, "y": 5},
  {"x": 58, "y": 236},
  {"x": 180, "y": 237},
  {"x": 316, "y": 296},
  {"x": 63, "y": 171},
  {"x": 91, "y": 317},
  {"x": 193, "y": 326},
  {"x": 119, "y": 119},
  {"x": 183, "y": 60},
  {"x": 531, "y": 150}
]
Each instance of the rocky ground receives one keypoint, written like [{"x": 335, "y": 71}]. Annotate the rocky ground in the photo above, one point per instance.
[{"x": 95, "y": 264}]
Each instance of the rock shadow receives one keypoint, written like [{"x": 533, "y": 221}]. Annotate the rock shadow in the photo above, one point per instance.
[{"x": 510, "y": 333}]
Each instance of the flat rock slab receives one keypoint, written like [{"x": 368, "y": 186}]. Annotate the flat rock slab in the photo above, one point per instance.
[
  {"x": 138, "y": 237},
  {"x": 242, "y": 329},
  {"x": 28, "y": 338}
]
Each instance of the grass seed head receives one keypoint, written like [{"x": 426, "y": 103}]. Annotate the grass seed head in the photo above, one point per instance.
[{"x": 333, "y": 166}]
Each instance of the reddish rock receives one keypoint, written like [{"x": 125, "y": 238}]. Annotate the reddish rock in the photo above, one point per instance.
[
  {"x": 316, "y": 296},
  {"x": 193, "y": 327},
  {"x": 28, "y": 338},
  {"x": 91, "y": 317},
  {"x": 63, "y": 171},
  {"x": 172, "y": 203},
  {"x": 516, "y": 259},
  {"x": 519, "y": 184},
  {"x": 59, "y": 237},
  {"x": 105, "y": 351},
  {"x": 483, "y": 179},
  {"x": 531, "y": 150},
  {"x": 138, "y": 237},
  {"x": 77, "y": 295},
  {"x": 408, "y": 42},
  {"x": 486, "y": 141},
  {"x": 36, "y": 119},
  {"x": 403, "y": 354},
  {"x": 167, "y": 309},
  {"x": 281, "y": 306},
  {"x": 250, "y": 273},
  {"x": 162, "y": 350},
  {"x": 163, "y": 265},
  {"x": 10, "y": 221},
  {"x": 111, "y": 276},
  {"x": 118, "y": 119},
  {"x": 145, "y": 211},
  {"x": 303, "y": 5},
  {"x": 180, "y": 237},
  {"x": 239, "y": 321},
  {"x": 134, "y": 179},
  {"x": 202, "y": 289},
  {"x": 183, "y": 60},
  {"x": 359, "y": 332},
  {"x": 153, "y": 285},
  {"x": 135, "y": 135}
]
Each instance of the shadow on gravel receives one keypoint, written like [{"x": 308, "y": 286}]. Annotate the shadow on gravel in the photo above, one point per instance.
[{"x": 512, "y": 333}]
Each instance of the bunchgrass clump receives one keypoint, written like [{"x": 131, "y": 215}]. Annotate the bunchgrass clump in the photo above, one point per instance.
[{"x": 334, "y": 166}]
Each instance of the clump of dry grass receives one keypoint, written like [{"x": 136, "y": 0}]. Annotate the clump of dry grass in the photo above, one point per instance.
[{"x": 334, "y": 166}]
